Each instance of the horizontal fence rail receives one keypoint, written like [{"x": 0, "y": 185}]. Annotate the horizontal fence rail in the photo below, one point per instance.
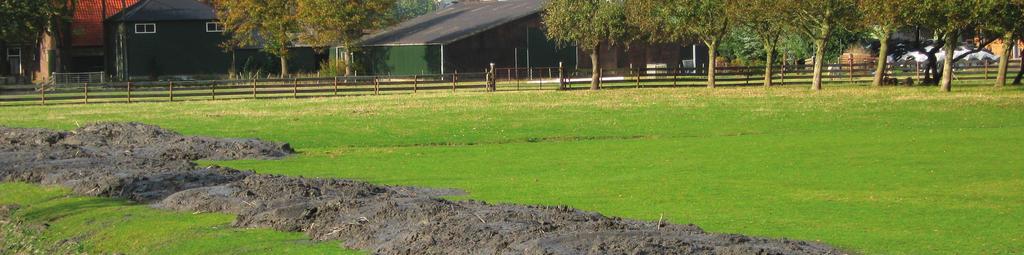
[{"x": 496, "y": 79}]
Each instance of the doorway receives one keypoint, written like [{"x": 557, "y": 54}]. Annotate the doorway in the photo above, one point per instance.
[{"x": 14, "y": 61}]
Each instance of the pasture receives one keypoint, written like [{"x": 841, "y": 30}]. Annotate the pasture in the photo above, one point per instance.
[{"x": 870, "y": 170}]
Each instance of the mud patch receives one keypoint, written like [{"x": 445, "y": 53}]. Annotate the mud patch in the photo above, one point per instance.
[{"x": 151, "y": 165}]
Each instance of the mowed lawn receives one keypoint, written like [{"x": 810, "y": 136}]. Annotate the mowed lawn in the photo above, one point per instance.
[{"x": 870, "y": 170}]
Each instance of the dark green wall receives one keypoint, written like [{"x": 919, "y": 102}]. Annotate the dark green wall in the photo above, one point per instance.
[
  {"x": 185, "y": 48},
  {"x": 398, "y": 60}
]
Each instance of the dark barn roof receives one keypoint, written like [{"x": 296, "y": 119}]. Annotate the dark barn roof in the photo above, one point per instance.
[
  {"x": 455, "y": 22},
  {"x": 166, "y": 10}
]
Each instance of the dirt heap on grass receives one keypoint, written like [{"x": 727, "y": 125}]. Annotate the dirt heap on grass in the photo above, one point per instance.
[{"x": 151, "y": 165}]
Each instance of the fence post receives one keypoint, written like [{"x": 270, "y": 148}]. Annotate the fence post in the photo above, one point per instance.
[
  {"x": 851, "y": 68},
  {"x": 129, "y": 92},
  {"x": 170, "y": 91},
  {"x": 455, "y": 79},
  {"x": 917, "y": 70},
  {"x": 376, "y": 85},
  {"x": 335, "y": 85},
  {"x": 637, "y": 77},
  {"x": 517, "y": 77},
  {"x": 42, "y": 92},
  {"x": 295, "y": 88},
  {"x": 415, "y": 83},
  {"x": 746, "y": 75},
  {"x": 253, "y": 88},
  {"x": 492, "y": 81},
  {"x": 675, "y": 75},
  {"x": 561, "y": 75},
  {"x": 986, "y": 67},
  {"x": 783, "y": 72},
  {"x": 86, "y": 93}
]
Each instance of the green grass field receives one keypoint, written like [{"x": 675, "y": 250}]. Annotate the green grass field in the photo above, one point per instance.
[
  {"x": 871, "y": 170},
  {"x": 103, "y": 225}
]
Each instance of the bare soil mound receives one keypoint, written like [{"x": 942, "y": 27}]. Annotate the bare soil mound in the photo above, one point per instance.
[{"x": 151, "y": 165}]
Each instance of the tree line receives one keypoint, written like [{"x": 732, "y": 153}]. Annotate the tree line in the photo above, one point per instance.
[{"x": 589, "y": 24}]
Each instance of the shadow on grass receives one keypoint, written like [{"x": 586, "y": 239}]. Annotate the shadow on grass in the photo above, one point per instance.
[{"x": 52, "y": 211}]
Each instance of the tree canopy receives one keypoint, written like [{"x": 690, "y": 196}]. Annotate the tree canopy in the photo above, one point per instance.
[
  {"x": 675, "y": 21},
  {"x": 586, "y": 24}
]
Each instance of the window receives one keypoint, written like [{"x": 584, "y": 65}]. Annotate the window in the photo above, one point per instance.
[
  {"x": 214, "y": 27},
  {"x": 13, "y": 52},
  {"x": 145, "y": 28}
]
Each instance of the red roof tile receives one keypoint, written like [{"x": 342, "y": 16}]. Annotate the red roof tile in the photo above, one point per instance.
[{"x": 87, "y": 21}]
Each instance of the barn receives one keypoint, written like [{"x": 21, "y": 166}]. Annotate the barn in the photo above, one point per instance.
[
  {"x": 162, "y": 39},
  {"x": 469, "y": 35}
]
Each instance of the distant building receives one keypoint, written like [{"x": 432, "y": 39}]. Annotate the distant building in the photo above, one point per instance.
[
  {"x": 76, "y": 46},
  {"x": 182, "y": 38},
  {"x": 1015, "y": 53},
  {"x": 467, "y": 36}
]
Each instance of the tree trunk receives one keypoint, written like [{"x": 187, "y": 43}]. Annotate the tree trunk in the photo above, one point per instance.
[
  {"x": 348, "y": 63},
  {"x": 347, "y": 59},
  {"x": 1004, "y": 59},
  {"x": 883, "y": 57},
  {"x": 284, "y": 67},
  {"x": 769, "y": 60},
  {"x": 595, "y": 64},
  {"x": 712, "y": 53},
  {"x": 819, "y": 55},
  {"x": 819, "y": 59},
  {"x": 946, "y": 84},
  {"x": 232, "y": 69}
]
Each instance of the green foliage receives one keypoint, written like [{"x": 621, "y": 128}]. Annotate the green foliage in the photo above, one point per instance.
[
  {"x": 585, "y": 23},
  {"x": 882, "y": 17},
  {"x": 680, "y": 20},
  {"x": 26, "y": 20},
  {"x": 333, "y": 68},
  {"x": 408, "y": 9},
  {"x": 817, "y": 19},
  {"x": 270, "y": 24},
  {"x": 745, "y": 47},
  {"x": 333, "y": 22}
]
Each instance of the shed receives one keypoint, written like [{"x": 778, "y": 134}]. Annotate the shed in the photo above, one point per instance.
[
  {"x": 468, "y": 36},
  {"x": 181, "y": 38},
  {"x": 465, "y": 37}
]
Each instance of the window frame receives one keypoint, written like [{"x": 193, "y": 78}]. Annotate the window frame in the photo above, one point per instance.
[
  {"x": 11, "y": 55},
  {"x": 144, "y": 25},
  {"x": 218, "y": 27}
]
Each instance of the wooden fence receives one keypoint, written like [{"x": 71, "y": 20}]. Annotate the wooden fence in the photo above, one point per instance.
[{"x": 498, "y": 79}]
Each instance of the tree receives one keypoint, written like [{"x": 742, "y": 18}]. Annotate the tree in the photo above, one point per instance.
[
  {"x": 767, "y": 25},
  {"x": 271, "y": 24},
  {"x": 1005, "y": 22},
  {"x": 408, "y": 9},
  {"x": 818, "y": 19},
  {"x": 950, "y": 18},
  {"x": 25, "y": 21},
  {"x": 588, "y": 24},
  {"x": 341, "y": 22},
  {"x": 882, "y": 17},
  {"x": 678, "y": 20}
]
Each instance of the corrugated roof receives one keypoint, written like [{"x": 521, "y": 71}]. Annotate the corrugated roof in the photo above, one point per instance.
[
  {"x": 87, "y": 20},
  {"x": 455, "y": 22},
  {"x": 166, "y": 10}
]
